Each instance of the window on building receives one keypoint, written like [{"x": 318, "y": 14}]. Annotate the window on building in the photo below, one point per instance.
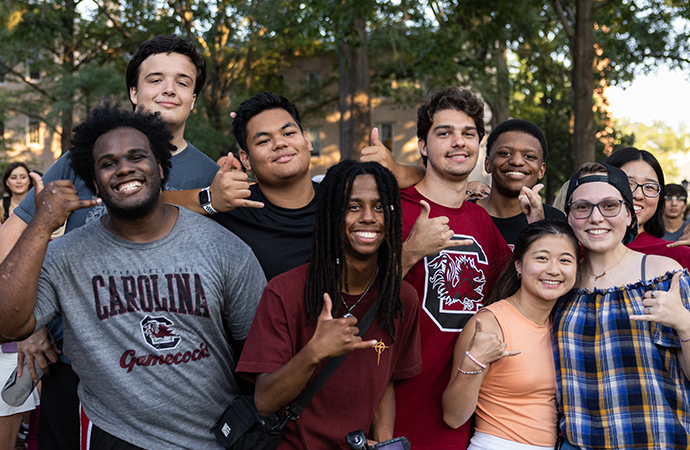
[
  {"x": 314, "y": 135},
  {"x": 2, "y": 76},
  {"x": 33, "y": 71},
  {"x": 34, "y": 131},
  {"x": 386, "y": 135},
  {"x": 313, "y": 86},
  {"x": 2, "y": 129}
]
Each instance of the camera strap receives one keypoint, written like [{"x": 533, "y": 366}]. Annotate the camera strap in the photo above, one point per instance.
[{"x": 294, "y": 409}]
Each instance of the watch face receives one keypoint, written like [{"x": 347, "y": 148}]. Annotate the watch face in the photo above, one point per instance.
[{"x": 204, "y": 197}]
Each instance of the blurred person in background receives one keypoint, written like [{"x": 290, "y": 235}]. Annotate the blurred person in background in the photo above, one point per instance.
[
  {"x": 16, "y": 183},
  {"x": 674, "y": 212},
  {"x": 477, "y": 189}
]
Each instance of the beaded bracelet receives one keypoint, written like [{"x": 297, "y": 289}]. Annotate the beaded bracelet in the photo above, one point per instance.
[
  {"x": 476, "y": 372},
  {"x": 474, "y": 360},
  {"x": 682, "y": 340}
]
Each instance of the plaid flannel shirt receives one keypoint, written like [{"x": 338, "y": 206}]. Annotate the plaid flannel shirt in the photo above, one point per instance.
[{"x": 619, "y": 382}]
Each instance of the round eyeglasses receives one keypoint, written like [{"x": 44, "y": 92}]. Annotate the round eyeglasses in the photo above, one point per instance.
[
  {"x": 650, "y": 190},
  {"x": 607, "y": 208}
]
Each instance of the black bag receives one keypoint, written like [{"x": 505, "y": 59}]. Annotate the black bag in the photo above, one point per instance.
[{"x": 242, "y": 428}]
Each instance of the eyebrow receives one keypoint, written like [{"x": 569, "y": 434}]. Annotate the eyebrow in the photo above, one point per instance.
[
  {"x": 451, "y": 127},
  {"x": 129, "y": 152},
  {"x": 160, "y": 74}
]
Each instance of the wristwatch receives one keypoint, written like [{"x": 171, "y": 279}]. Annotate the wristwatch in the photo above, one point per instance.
[{"x": 205, "y": 200}]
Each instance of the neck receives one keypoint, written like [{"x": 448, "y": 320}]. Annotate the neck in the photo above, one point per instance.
[
  {"x": 17, "y": 198},
  {"x": 674, "y": 224},
  {"x": 533, "y": 308},
  {"x": 598, "y": 263},
  {"x": 149, "y": 228},
  {"x": 499, "y": 205},
  {"x": 178, "y": 139},
  {"x": 443, "y": 191},
  {"x": 293, "y": 195},
  {"x": 359, "y": 274}
]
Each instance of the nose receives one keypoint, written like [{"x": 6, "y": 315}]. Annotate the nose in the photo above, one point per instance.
[
  {"x": 124, "y": 167},
  {"x": 637, "y": 193},
  {"x": 169, "y": 87},
  {"x": 516, "y": 159},
  {"x": 596, "y": 215},
  {"x": 367, "y": 215}
]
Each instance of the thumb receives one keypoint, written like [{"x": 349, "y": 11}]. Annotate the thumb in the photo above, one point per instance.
[
  {"x": 537, "y": 188},
  {"x": 227, "y": 165},
  {"x": 38, "y": 182},
  {"x": 326, "y": 310},
  {"x": 675, "y": 284},
  {"x": 426, "y": 209},
  {"x": 375, "y": 141}
]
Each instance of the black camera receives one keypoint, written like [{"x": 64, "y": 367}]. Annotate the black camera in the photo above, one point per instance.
[{"x": 357, "y": 440}]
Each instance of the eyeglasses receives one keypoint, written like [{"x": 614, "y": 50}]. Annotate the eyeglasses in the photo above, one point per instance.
[
  {"x": 607, "y": 208},
  {"x": 648, "y": 189},
  {"x": 669, "y": 198}
]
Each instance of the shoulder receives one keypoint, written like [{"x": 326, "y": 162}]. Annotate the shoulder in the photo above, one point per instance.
[
  {"x": 657, "y": 265},
  {"x": 61, "y": 170},
  {"x": 553, "y": 213}
]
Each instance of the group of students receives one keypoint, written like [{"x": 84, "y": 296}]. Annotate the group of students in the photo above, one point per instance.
[{"x": 597, "y": 341}]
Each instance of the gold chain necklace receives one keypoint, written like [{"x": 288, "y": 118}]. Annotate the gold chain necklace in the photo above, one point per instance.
[{"x": 596, "y": 277}]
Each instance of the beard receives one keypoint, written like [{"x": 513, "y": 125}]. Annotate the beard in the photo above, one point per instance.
[{"x": 133, "y": 211}]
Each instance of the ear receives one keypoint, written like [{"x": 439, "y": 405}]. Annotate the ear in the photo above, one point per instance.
[
  {"x": 244, "y": 157},
  {"x": 421, "y": 143},
  {"x": 487, "y": 164},
  {"x": 309, "y": 146},
  {"x": 160, "y": 170},
  {"x": 542, "y": 171},
  {"x": 133, "y": 95},
  {"x": 518, "y": 266},
  {"x": 193, "y": 101},
  {"x": 629, "y": 217},
  {"x": 98, "y": 194}
]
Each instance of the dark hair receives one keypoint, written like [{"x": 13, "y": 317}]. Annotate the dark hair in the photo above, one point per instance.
[
  {"x": 166, "y": 44},
  {"x": 523, "y": 126},
  {"x": 327, "y": 262},
  {"x": 8, "y": 172},
  {"x": 262, "y": 101},
  {"x": 508, "y": 282},
  {"x": 675, "y": 190},
  {"x": 655, "y": 225},
  {"x": 450, "y": 97},
  {"x": 107, "y": 118}
]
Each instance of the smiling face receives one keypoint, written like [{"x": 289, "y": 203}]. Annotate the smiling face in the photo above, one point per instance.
[
  {"x": 599, "y": 233},
  {"x": 166, "y": 85},
  {"x": 127, "y": 175},
  {"x": 19, "y": 181},
  {"x": 452, "y": 145},
  {"x": 641, "y": 173},
  {"x": 516, "y": 160},
  {"x": 364, "y": 226},
  {"x": 549, "y": 267},
  {"x": 277, "y": 149}
]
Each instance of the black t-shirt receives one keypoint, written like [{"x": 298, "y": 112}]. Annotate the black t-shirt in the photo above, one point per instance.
[
  {"x": 281, "y": 238},
  {"x": 510, "y": 227}
]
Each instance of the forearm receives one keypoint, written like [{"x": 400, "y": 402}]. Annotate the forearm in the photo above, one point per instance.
[
  {"x": 410, "y": 256},
  {"x": 9, "y": 234},
  {"x": 408, "y": 175},
  {"x": 384, "y": 417},
  {"x": 188, "y": 199},
  {"x": 460, "y": 397},
  {"x": 20, "y": 271},
  {"x": 275, "y": 390}
]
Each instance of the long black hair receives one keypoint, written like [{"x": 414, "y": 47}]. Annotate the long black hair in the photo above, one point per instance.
[
  {"x": 327, "y": 267},
  {"x": 508, "y": 282},
  {"x": 655, "y": 224}
]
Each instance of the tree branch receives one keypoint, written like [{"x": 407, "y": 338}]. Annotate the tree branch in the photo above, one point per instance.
[
  {"x": 562, "y": 17},
  {"x": 34, "y": 86}
]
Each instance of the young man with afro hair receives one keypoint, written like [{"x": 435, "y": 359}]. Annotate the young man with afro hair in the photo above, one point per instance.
[{"x": 149, "y": 301}]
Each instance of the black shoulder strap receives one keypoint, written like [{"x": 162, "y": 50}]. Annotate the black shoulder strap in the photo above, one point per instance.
[
  {"x": 294, "y": 409},
  {"x": 644, "y": 259}
]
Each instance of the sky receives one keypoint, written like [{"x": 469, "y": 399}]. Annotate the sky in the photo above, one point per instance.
[{"x": 664, "y": 95}]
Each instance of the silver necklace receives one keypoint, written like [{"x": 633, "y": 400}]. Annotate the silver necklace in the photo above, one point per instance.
[{"x": 350, "y": 308}]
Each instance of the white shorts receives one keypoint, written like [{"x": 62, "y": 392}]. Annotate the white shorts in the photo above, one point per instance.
[
  {"x": 8, "y": 362},
  {"x": 483, "y": 441}
]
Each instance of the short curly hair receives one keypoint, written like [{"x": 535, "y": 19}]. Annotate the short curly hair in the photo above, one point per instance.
[
  {"x": 522, "y": 126},
  {"x": 106, "y": 118}
]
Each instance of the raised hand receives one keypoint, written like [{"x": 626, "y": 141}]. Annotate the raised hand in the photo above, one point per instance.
[
  {"x": 334, "y": 337},
  {"x": 230, "y": 188},
  {"x": 377, "y": 152},
  {"x": 530, "y": 203},
  {"x": 666, "y": 308},
  {"x": 56, "y": 201},
  {"x": 487, "y": 348}
]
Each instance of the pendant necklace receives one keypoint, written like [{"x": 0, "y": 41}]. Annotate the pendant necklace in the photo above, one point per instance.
[
  {"x": 596, "y": 277},
  {"x": 350, "y": 308}
]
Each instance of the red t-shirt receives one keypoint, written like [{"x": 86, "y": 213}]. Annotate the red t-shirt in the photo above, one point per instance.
[
  {"x": 650, "y": 245},
  {"x": 451, "y": 286},
  {"x": 349, "y": 398}
]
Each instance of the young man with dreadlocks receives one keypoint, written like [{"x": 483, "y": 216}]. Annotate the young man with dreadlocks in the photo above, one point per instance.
[{"x": 309, "y": 315}]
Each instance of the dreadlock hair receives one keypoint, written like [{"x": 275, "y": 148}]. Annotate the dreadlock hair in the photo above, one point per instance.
[
  {"x": 508, "y": 282},
  {"x": 327, "y": 267},
  {"x": 106, "y": 118}
]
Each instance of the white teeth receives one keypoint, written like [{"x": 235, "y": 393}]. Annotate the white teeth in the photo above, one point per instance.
[
  {"x": 638, "y": 208},
  {"x": 551, "y": 282},
  {"x": 514, "y": 173},
  {"x": 129, "y": 186},
  {"x": 366, "y": 234},
  {"x": 597, "y": 232}
]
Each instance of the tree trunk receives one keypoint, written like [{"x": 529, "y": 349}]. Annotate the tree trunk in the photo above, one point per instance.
[
  {"x": 499, "y": 100},
  {"x": 354, "y": 88},
  {"x": 584, "y": 132},
  {"x": 68, "y": 64}
]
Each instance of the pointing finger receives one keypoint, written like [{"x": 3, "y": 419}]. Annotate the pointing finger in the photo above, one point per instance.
[{"x": 537, "y": 188}]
